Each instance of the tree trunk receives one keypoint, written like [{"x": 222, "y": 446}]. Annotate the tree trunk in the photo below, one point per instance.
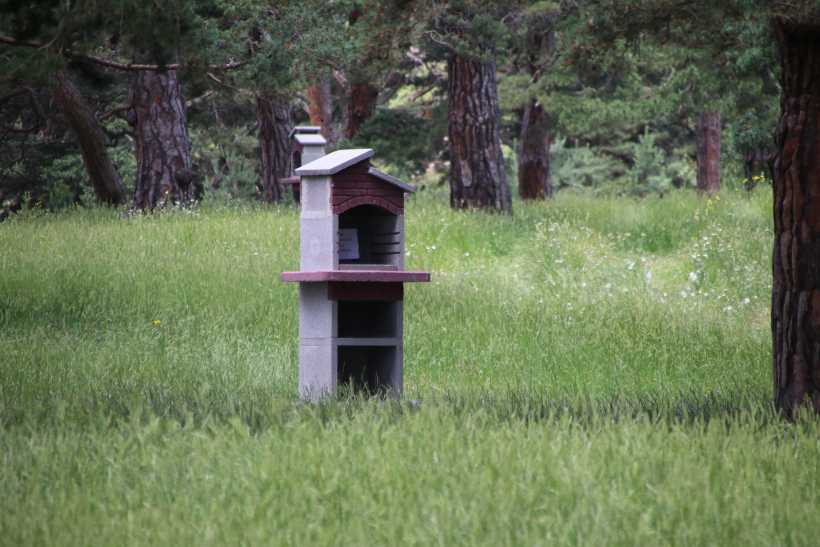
[
  {"x": 320, "y": 108},
  {"x": 275, "y": 122},
  {"x": 534, "y": 154},
  {"x": 360, "y": 108},
  {"x": 163, "y": 150},
  {"x": 477, "y": 174},
  {"x": 708, "y": 152},
  {"x": 80, "y": 118},
  {"x": 796, "y": 261}
]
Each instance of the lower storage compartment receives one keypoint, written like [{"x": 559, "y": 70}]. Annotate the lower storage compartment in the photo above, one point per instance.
[
  {"x": 369, "y": 369},
  {"x": 368, "y": 319}
]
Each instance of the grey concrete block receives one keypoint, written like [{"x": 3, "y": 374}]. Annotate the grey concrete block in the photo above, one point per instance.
[
  {"x": 317, "y": 369},
  {"x": 317, "y": 313},
  {"x": 312, "y": 152},
  {"x": 316, "y": 195},
  {"x": 319, "y": 241}
]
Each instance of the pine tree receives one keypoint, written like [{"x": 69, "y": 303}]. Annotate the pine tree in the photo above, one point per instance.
[
  {"x": 284, "y": 47},
  {"x": 533, "y": 54},
  {"x": 468, "y": 33},
  {"x": 31, "y": 38}
]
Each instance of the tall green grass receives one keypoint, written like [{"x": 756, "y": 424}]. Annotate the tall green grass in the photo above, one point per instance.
[{"x": 587, "y": 371}]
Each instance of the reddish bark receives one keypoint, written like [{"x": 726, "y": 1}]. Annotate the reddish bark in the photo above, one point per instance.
[
  {"x": 796, "y": 260},
  {"x": 360, "y": 108},
  {"x": 477, "y": 175},
  {"x": 275, "y": 121},
  {"x": 708, "y": 130},
  {"x": 80, "y": 118},
  {"x": 163, "y": 149},
  {"x": 320, "y": 108},
  {"x": 534, "y": 155}
]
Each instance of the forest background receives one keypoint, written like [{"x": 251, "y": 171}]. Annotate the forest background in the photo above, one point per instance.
[{"x": 636, "y": 116}]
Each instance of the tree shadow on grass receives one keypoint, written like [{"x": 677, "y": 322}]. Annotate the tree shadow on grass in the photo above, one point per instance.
[
  {"x": 260, "y": 411},
  {"x": 672, "y": 408}
]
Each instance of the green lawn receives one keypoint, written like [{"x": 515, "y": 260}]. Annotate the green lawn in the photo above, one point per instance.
[{"x": 587, "y": 372}]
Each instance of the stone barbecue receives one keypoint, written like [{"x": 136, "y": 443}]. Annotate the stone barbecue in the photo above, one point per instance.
[{"x": 351, "y": 278}]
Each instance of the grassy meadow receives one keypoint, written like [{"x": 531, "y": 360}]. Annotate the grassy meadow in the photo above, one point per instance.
[{"x": 589, "y": 371}]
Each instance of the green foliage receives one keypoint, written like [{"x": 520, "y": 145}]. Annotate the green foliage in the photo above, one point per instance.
[
  {"x": 65, "y": 176},
  {"x": 229, "y": 162},
  {"x": 125, "y": 162},
  {"x": 283, "y": 46},
  {"x": 752, "y": 130},
  {"x": 604, "y": 70},
  {"x": 653, "y": 172},
  {"x": 405, "y": 142},
  {"x": 469, "y": 28},
  {"x": 637, "y": 169},
  {"x": 580, "y": 166},
  {"x": 620, "y": 69}
]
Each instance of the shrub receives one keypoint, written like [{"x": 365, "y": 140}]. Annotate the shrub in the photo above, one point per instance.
[{"x": 580, "y": 166}]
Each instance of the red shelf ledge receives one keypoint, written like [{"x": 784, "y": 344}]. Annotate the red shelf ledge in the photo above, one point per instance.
[{"x": 369, "y": 276}]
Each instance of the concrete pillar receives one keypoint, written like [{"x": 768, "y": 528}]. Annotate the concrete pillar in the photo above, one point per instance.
[
  {"x": 318, "y": 364},
  {"x": 319, "y": 227}
]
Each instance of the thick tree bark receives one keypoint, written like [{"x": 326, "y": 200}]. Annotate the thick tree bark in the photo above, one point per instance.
[
  {"x": 275, "y": 122},
  {"x": 163, "y": 149},
  {"x": 360, "y": 108},
  {"x": 534, "y": 153},
  {"x": 796, "y": 261},
  {"x": 477, "y": 174},
  {"x": 80, "y": 118},
  {"x": 320, "y": 108},
  {"x": 708, "y": 152}
]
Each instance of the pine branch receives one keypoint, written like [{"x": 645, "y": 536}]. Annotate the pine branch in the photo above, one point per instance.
[
  {"x": 116, "y": 111},
  {"x": 8, "y": 40},
  {"x": 14, "y": 42},
  {"x": 239, "y": 90}
]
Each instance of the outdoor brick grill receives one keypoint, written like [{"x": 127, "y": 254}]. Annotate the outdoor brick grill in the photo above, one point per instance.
[{"x": 351, "y": 278}]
